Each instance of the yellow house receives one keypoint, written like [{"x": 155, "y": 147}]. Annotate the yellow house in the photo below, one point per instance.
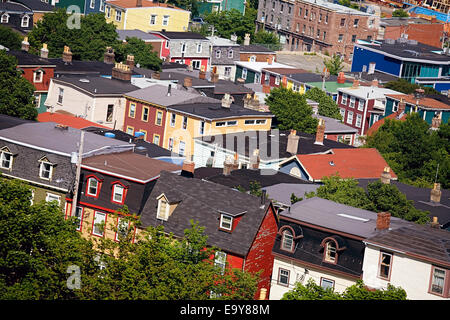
[
  {"x": 189, "y": 121},
  {"x": 146, "y": 15}
]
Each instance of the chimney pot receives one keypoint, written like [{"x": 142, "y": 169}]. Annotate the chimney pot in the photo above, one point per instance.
[
  {"x": 130, "y": 61},
  {"x": 320, "y": 133},
  {"x": 25, "y": 44},
  {"x": 228, "y": 166},
  {"x": 292, "y": 143},
  {"x": 383, "y": 220},
  {"x": 109, "y": 56},
  {"x": 121, "y": 72},
  {"x": 226, "y": 101},
  {"x": 188, "y": 82},
  {"x": 44, "y": 51},
  {"x": 247, "y": 39},
  {"x": 386, "y": 176},
  {"x": 255, "y": 160},
  {"x": 67, "y": 55},
  {"x": 341, "y": 78},
  {"x": 355, "y": 83},
  {"x": 435, "y": 194}
]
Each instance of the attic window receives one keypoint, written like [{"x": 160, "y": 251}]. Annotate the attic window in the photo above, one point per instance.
[
  {"x": 45, "y": 169},
  {"x": 226, "y": 222},
  {"x": 6, "y": 158},
  {"x": 163, "y": 209}
]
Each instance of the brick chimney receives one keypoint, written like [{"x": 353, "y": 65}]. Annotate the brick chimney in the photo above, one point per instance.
[
  {"x": 188, "y": 167},
  {"x": 247, "y": 100},
  {"x": 320, "y": 133},
  {"x": 138, "y": 3},
  {"x": 383, "y": 220},
  {"x": 226, "y": 101},
  {"x": 435, "y": 194},
  {"x": 214, "y": 77},
  {"x": 341, "y": 78},
  {"x": 187, "y": 82},
  {"x": 109, "y": 57},
  {"x": 202, "y": 75},
  {"x": 355, "y": 83},
  {"x": 130, "y": 61},
  {"x": 435, "y": 223},
  {"x": 156, "y": 75},
  {"x": 67, "y": 55},
  {"x": 228, "y": 166},
  {"x": 386, "y": 175},
  {"x": 121, "y": 72},
  {"x": 247, "y": 39},
  {"x": 25, "y": 44},
  {"x": 44, "y": 51},
  {"x": 436, "y": 122},
  {"x": 255, "y": 160},
  {"x": 292, "y": 143},
  {"x": 401, "y": 106}
]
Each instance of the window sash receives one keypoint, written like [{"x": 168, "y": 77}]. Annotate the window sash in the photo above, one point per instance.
[
  {"x": 6, "y": 160},
  {"x": 438, "y": 281},
  {"x": 123, "y": 228},
  {"x": 45, "y": 170},
  {"x": 288, "y": 241},
  {"x": 283, "y": 276},
  {"x": 92, "y": 187},
  {"x": 79, "y": 216},
  {"x": 132, "y": 111},
  {"x": 330, "y": 251},
  {"x": 385, "y": 265},
  {"x": 99, "y": 221},
  {"x": 226, "y": 222},
  {"x": 118, "y": 192}
]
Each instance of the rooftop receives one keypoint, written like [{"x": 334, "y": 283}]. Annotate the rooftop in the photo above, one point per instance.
[
  {"x": 36, "y": 5},
  {"x": 368, "y": 92},
  {"x": 145, "y": 36},
  {"x": 281, "y": 192},
  {"x": 97, "y": 85},
  {"x": 255, "y": 48},
  {"x": 335, "y": 126},
  {"x": 222, "y": 42},
  {"x": 180, "y": 35},
  {"x": 145, "y": 4},
  {"x": 335, "y": 7},
  {"x": 355, "y": 163},
  {"x": 425, "y": 102},
  {"x": 66, "y": 119},
  {"x": 330, "y": 86},
  {"x": 284, "y": 71},
  {"x": 259, "y": 66}
]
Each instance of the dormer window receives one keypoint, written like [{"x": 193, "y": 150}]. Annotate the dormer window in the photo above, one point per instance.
[
  {"x": 6, "y": 159},
  {"x": 287, "y": 241},
  {"x": 5, "y": 18},
  {"x": 118, "y": 193},
  {"x": 330, "y": 252},
  {"x": 25, "y": 21},
  {"x": 226, "y": 222},
  {"x": 38, "y": 76},
  {"x": 163, "y": 208},
  {"x": 331, "y": 248},
  {"x": 93, "y": 187},
  {"x": 45, "y": 169}
]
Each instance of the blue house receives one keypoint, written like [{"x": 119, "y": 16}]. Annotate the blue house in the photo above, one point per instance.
[{"x": 407, "y": 59}]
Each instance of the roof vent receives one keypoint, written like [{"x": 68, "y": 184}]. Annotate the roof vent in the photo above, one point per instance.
[
  {"x": 84, "y": 80},
  {"x": 331, "y": 163}
]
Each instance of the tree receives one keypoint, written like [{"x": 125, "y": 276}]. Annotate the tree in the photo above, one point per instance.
[
  {"x": 358, "y": 291},
  {"x": 10, "y": 39},
  {"x": 327, "y": 106},
  {"x": 404, "y": 86},
  {"x": 400, "y": 13},
  {"x": 291, "y": 110},
  {"x": 255, "y": 188},
  {"x": 16, "y": 92},
  {"x": 334, "y": 65},
  {"x": 142, "y": 52},
  {"x": 295, "y": 199},
  {"x": 267, "y": 38}
]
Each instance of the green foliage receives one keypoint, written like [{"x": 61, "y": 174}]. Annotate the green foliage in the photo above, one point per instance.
[
  {"x": 291, "y": 110},
  {"x": 16, "y": 93},
  {"x": 267, "y": 38},
  {"x": 413, "y": 151},
  {"x": 9, "y": 38},
  {"x": 349, "y": 4},
  {"x": 327, "y": 106},
  {"x": 400, "y": 13},
  {"x": 379, "y": 197},
  {"x": 334, "y": 64},
  {"x": 190, "y": 5},
  {"x": 255, "y": 188},
  {"x": 358, "y": 291},
  {"x": 404, "y": 86},
  {"x": 142, "y": 52},
  {"x": 295, "y": 199}
]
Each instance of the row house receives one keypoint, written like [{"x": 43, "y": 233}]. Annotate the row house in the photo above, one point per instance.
[
  {"x": 22, "y": 15},
  {"x": 149, "y": 39},
  {"x": 223, "y": 55},
  {"x": 42, "y": 155},
  {"x": 252, "y": 71},
  {"x": 241, "y": 226},
  {"x": 187, "y": 48},
  {"x": 255, "y": 52},
  {"x": 361, "y": 106},
  {"x": 172, "y": 118},
  {"x": 107, "y": 183},
  {"x": 146, "y": 15},
  {"x": 97, "y": 99},
  {"x": 275, "y": 77},
  {"x": 317, "y": 26}
]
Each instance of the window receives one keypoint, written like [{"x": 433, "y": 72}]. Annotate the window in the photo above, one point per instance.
[
  {"x": 385, "y": 265},
  {"x": 350, "y": 117},
  {"x": 342, "y": 112},
  {"x": 163, "y": 209},
  {"x": 352, "y": 102},
  {"x": 5, "y": 18},
  {"x": 299, "y": 12},
  {"x": 181, "y": 148},
  {"x": 358, "y": 121},
  {"x": 130, "y": 130},
  {"x": 185, "y": 121},
  {"x": 38, "y": 76},
  {"x": 132, "y": 110},
  {"x": 287, "y": 240},
  {"x": 318, "y": 33},
  {"x": 283, "y": 277},
  {"x": 93, "y": 187},
  {"x": 226, "y": 222},
  {"x": 344, "y": 99},
  {"x": 244, "y": 73},
  {"x": 173, "y": 117},
  {"x": 6, "y": 160},
  {"x": 79, "y": 217},
  {"x": 341, "y": 36},
  {"x": 320, "y": 17},
  {"x": 145, "y": 111},
  {"x": 102, "y": 6},
  {"x": 330, "y": 252},
  {"x": 156, "y": 139},
  {"x": 220, "y": 260},
  {"x": 326, "y": 283},
  {"x": 354, "y": 38},
  {"x": 199, "y": 47},
  {"x": 196, "y": 64},
  {"x": 438, "y": 277},
  {"x": 144, "y": 132},
  {"x": 306, "y": 13},
  {"x": 324, "y": 35},
  {"x": 98, "y": 225},
  {"x": 92, "y": 4},
  {"x": 153, "y": 19},
  {"x": 326, "y": 19},
  {"x": 231, "y": 123},
  {"x": 165, "y": 20},
  {"x": 218, "y": 54},
  {"x": 60, "y": 95},
  {"x": 109, "y": 113},
  {"x": 45, "y": 170},
  {"x": 281, "y": 8},
  {"x": 118, "y": 193},
  {"x": 53, "y": 197},
  {"x": 202, "y": 127},
  {"x": 355, "y": 22},
  {"x": 158, "y": 120},
  {"x": 227, "y": 72},
  {"x": 277, "y": 80},
  {"x": 361, "y": 104},
  {"x": 371, "y": 23},
  {"x": 170, "y": 144},
  {"x": 342, "y": 22},
  {"x": 118, "y": 15},
  {"x": 257, "y": 78},
  {"x": 108, "y": 12},
  {"x": 230, "y": 54},
  {"x": 221, "y": 124},
  {"x": 25, "y": 21},
  {"x": 123, "y": 227}
]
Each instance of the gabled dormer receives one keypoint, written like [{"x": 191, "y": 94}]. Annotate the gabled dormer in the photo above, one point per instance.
[
  {"x": 46, "y": 168},
  {"x": 119, "y": 192},
  {"x": 229, "y": 219},
  {"x": 165, "y": 207},
  {"x": 93, "y": 186},
  {"x": 6, "y": 158}
]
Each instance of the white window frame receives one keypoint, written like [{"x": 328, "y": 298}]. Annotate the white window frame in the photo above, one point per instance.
[
  {"x": 7, "y": 18},
  {"x": 2, "y": 159},
  {"x": 79, "y": 217},
  {"x": 257, "y": 78},
  {"x": 118, "y": 15},
  {"x": 277, "y": 80},
  {"x": 35, "y": 78},
  {"x": 358, "y": 121},
  {"x": 432, "y": 281},
  {"x": 226, "y": 220},
  {"x": 350, "y": 117},
  {"x": 173, "y": 118},
  {"x": 54, "y": 196},
  {"x": 381, "y": 264},
  {"x": 181, "y": 150},
  {"x": 120, "y": 222},
  {"x": 227, "y": 71},
  {"x": 244, "y": 73},
  {"x": 97, "y": 221},
  {"x": 92, "y": 4},
  {"x": 89, "y": 187},
  {"x": 230, "y": 54},
  {"x": 322, "y": 280},
  {"x": 342, "y": 112},
  {"x": 153, "y": 18},
  {"x": 156, "y": 138},
  {"x": 286, "y": 275},
  {"x": 118, "y": 189},
  {"x": 218, "y": 53},
  {"x": 199, "y": 48},
  {"x": 60, "y": 95},
  {"x": 163, "y": 215},
  {"x": 196, "y": 64},
  {"x": 330, "y": 248},
  {"x": 202, "y": 128},
  {"x": 352, "y": 102},
  {"x": 42, "y": 168},
  {"x": 165, "y": 20},
  {"x": 287, "y": 238},
  {"x": 27, "y": 19},
  {"x": 102, "y": 6},
  {"x": 220, "y": 260},
  {"x": 361, "y": 103},
  {"x": 108, "y": 11}
]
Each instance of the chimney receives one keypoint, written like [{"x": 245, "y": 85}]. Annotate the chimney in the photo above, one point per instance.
[
  {"x": 121, "y": 72},
  {"x": 240, "y": 80},
  {"x": 109, "y": 56},
  {"x": 375, "y": 83},
  {"x": 292, "y": 143},
  {"x": 320, "y": 133},
  {"x": 138, "y": 3},
  {"x": 436, "y": 122},
  {"x": 383, "y": 220},
  {"x": 226, "y": 101},
  {"x": 233, "y": 38},
  {"x": 401, "y": 106},
  {"x": 247, "y": 99},
  {"x": 227, "y": 166},
  {"x": 187, "y": 82},
  {"x": 355, "y": 83},
  {"x": 25, "y": 44},
  {"x": 235, "y": 161},
  {"x": 435, "y": 223},
  {"x": 386, "y": 175},
  {"x": 202, "y": 75},
  {"x": 371, "y": 68},
  {"x": 67, "y": 55},
  {"x": 254, "y": 160},
  {"x": 156, "y": 75},
  {"x": 435, "y": 194},
  {"x": 188, "y": 167},
  {"x": 44, "y": 51},
  {"x": 341, "y": 77},
  {"x": 269, "y": 61},
  {"x": 247, "y": 39},
  {"x": 214, "y": 77},
  {"x": 130, "y": 61}
]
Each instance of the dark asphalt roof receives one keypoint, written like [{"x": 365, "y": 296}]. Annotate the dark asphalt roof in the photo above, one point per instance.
[
  {"x": 8, "y": 121},
  {"x": 203, "y": 202},
  {"x": 10, "y": 6},
  {"x": 25, "y": 58},
  {"x": 263, "y": 140},
  {"x": 243, "y": 177},
  {"x": 380, "y": 76},
  {"x": 255, "y": 48},
  {"x": 174, "y": 35},
  {"x": 36, "y": 5},
  {"x": 309, "y": 77},
  {"x": 421, "y": 199},
  {"x": 97, "y": 84}
]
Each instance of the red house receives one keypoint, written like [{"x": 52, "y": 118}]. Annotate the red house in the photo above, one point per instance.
[{"x": 242, "y": 226}]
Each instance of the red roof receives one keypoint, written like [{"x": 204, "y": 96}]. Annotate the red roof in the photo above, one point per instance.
[
  {"x": 68, "y": 120},
  {"x": 358, "y": 163},
  {"x": 374, "y": 128}
]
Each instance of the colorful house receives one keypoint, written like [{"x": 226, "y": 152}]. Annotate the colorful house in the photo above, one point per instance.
[{"x": 146, "y": 15}]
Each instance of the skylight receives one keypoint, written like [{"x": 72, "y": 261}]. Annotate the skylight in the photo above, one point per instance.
[{"x": 352, "y": 217}]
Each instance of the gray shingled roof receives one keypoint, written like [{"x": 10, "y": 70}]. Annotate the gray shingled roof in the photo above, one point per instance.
[{"x": 281, "y": 192}]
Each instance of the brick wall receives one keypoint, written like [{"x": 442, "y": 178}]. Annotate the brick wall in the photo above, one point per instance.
[{"x": 429, "y": 34}]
